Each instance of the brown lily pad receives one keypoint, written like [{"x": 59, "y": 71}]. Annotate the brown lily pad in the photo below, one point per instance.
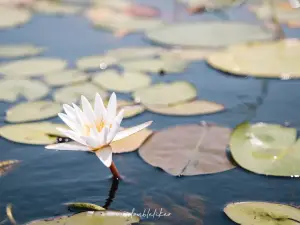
[
  {"x": 8, "y": 165},
  {"x": 189, "y": 149}
]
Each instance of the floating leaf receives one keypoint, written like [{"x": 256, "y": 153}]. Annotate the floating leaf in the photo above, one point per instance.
[
  {"x": 32, "y": 67},
  {"x": 72, "y": 94},
  {"x": 8, "y": 165},
  {"x": 11, "y": 90},
  {"x": 65, "y": 77},
  {"x": 166, "y": 93},
  {"x": 134, "y": 52},
  {"x": 130, "y": 108},
  {"x": 31, "y": 133},
  {"x": 139, "y": 10},
  {"x": 131, "y": 143},
  {"x": 21, "y": 50},
  {"x": 107, "y": 217},
  {"x": 115, "y": 4},
  {"x": 166, "y": 65},
  {"x": 53, "y": 7},
  {"x": 13, "y": 17},
  {"x": 85, "y": 206},
  {"x": 187, "y": 54},
  {"x": 262, "y": 213},
  {"x": 95, "y": 62},
  {"x": 31, "y": 111},
  {"x": 188, "y": 150},
  {"x": 278, "y": 57},
  {"x": 126, "y": 82},
  {"x": 267, "y": 149},
  {"x": 197, "y": 107},
  {"x": 208, "y": 34}
]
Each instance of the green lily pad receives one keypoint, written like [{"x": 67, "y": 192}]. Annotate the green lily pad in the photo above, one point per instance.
[
  {"x": 21, "y": 50},
  {"x": 278, "y": 57},
  {"x": 130, "y": 109},
  {"x": 85, "y": 206},
  {"x": 11, "y": 90},
  {"x": 32, "y": 67},
  {"x": 53, "y": 7},
  {"x": 267, "y": 149},
  {"x": 95, "y": 62},
  {"x": 13, "y": 17},
  {"x": 65, "y": 77},
  {"x": 42, "y": 133},
  {"x": 126, "y": 82},
  {"x": 188, "y": 150},
  {"x": 166, "y": 65},
  {"x": 208, "y": 34},
  {"x": 262, "y": 213},
  {"x": 31, "y": 111},
  {"x": 166, "y": 93},
  {"x": 107, "y": 217},
  {"x": 72, "y": 94},
  {"x": 134, "y": 52}
]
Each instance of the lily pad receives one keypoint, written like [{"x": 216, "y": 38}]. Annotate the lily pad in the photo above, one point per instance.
[
  {"x": 32, "y": 67},
  {"x": 166, "y": 93},
  {"x": 197, "y": 107},
  {"x": 126, "y": 82},
  {"x": 278, "y": 57},
  {"x": 85, "y": 206},
  {"x": 267, "y": 149},
  {"x": 65, "y": 77},
  {"x": 114, "y": 4},
  {"x": 13, "y": 17},
  {"x": 262, "y": 213},
  {"x": 95, "y": 62},
  {"x": 107, "y": 217},
  {"x": 72, "y": 94},
  {"x": 53, "y": 7},
  {"x": 11, "y": 90},
  {"x": 134, "y": 52},
  {"x": 130, "y": 108},
  {"x": 201, "y": 149},
  {"x": 8, "y": 165},
  {"x": 208, "y": 34},
  {"x": 131, "y": 143},
  {"x": 31, "y": 111},
  {"x": 166, "y": 65},
  {"x": 186, "y": 54},
  {"x": 42, "y": 133},
  {"x": 21, "y": 50}
]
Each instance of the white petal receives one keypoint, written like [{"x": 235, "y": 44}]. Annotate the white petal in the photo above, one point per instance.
[
  {"x": 111, "y": 108},
  {"x": 80, "y": 116},
  {"x": 99, "y": 108},
  {"x": 112, "y": 132},
  {"x": 93, "y": 132},
  {"x": 119, "y": 117},
  {"x": 73, "y": 146},
  {"x": 91, "y": 142},
  {"x": 72, "y": 124},
  {"x": 103, "y": 136},
  {"x": 105, "y": 155},
  {"x": 71, "y": 134},
  {"x": 88, "y": 110},
  {"x": 70, "y": 111},
  {"x": 132, "y": 130}
]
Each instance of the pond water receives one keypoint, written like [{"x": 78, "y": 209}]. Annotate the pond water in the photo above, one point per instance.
[{"x": 47, "y": 179}]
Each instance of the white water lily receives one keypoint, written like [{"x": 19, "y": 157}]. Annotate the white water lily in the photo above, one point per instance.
[{"x": 93, "y": 129}]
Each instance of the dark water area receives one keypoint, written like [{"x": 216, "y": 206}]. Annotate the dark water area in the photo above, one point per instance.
[{"x": 45, "y": 180}]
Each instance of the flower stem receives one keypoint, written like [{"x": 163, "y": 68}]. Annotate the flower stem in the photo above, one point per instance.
[{"x": 115, "y": 171}]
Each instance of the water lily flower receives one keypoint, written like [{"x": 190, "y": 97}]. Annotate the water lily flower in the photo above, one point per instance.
[{"x": 94, "y": 129}]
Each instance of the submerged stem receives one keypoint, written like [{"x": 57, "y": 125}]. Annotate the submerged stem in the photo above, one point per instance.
[{"x": 115, "y": 171}]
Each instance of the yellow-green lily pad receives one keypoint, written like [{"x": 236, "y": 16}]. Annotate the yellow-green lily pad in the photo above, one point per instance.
[
  {"x": 279, "y": 59},
  {"x": 197, "y": 107},
  {"x": 262, "y": 213},
  {"x": 165, "y": 65},
  {"x": 65, "y": 77},
  {"x": 56, "y": 8},
  {"x": 42, "y": 133},
  {"x": 19, "y": 50},
  {"x": 32, "y": 111},
  {"x": 134, "y": 52},
  {"x": 11, "y": 90},
  {"x": 107, "y": 217},
  {"x": 130, "y": 109},
  {"x": 166, "y": 93},
  {"x": 115, "y": 4},
  {"x": 267, "y": 149},
  {"x": 13, "y": 17},
  {"x": 85, "y": 206},
  {"x": 126, "y": 82},
  {"x": 72, "y": 94},
  {"x": 32, "y": 67},
  {"x": 95, "y": 62}
]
